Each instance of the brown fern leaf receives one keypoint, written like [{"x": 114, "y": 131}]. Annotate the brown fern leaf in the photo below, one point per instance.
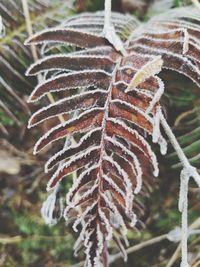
[
  {"x": 113, "y": 104},
  {"x": 175, "y": 35}
]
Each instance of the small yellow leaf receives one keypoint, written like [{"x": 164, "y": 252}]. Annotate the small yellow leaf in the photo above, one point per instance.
[{"x": 150, "y": 69}]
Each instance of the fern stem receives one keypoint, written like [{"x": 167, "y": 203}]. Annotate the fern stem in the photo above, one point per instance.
[
  {"x": 34, "y": 50},
  {"x": 108, "y": 8},
  {"x": 109, "y": 31},
  {"x": 187, "y": 172},
  {"x": 185, "y": 162}
]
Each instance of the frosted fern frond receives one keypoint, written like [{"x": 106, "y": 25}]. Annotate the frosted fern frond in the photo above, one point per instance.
[
  {"x": 111, "y": 149},
  {"x": 174, "y": 35},
  {"x": 116, "y": 102}
]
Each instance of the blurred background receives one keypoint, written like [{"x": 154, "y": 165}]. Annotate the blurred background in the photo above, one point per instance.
[{"x": 25, "y": 240}]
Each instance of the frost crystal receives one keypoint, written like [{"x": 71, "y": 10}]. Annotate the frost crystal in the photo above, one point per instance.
[{"x": 49, "y": 206}]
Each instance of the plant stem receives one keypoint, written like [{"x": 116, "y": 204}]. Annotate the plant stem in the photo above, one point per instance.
[
  {"x": 108, "y": 8},
  {"x": 187, "y": 172},
  {"x": 109, "y": 31},
  {"x": 185, "y": 162},
  {"x": 139, "y": 246}
]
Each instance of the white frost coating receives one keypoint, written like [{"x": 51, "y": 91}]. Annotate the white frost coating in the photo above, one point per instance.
[
  {"x": 163, "y": 145},
  {"x": 143, "y": 141},
  {"x": 84, "y": 138},
  {"x": 87, "y": 241},
  {"x": 76, "y": 184},
  {"x": 179, "y": 24},
  {"x": 35, "y": 150},
  {"x": 176, "y": 234},
  {"x": 109, "y": 229},
  {"x": 100, "y": 238},
  {"x": 139, "y": 40},
  {"x": 157, "y": 136},
  {"x": 133, "y": 219},
  {"x": 109, "y": 30},
  {"x": 144, "y": 114},
  {"x": 129, "y": 192},
  {"x": 120, "y": 82},
  {"x": 115, "y": 218},
  {"x": 63, "y": 57},
  {"x": 151, "y": 68},
  {"x": 186, "y": 39},
  {"x": 30, "y": 100},
  {"x": 156, "y": 128},
  {"x": 53, "y": 30},
  {"x": 186, "y": 42},
  {"x": 135, "y": 160},
  {"x": 87, "y": 193},
  {"x": 157, "y": 96},
  {"x": 103, "y": 50},
  {"x": 99, "y": 16},
  {"x": 114, "y": 185},
  {"x": 57, "y": 103},
  {"x": 48, "y": 207},
  {"x": 149, "y": 30},
  {"x": 144, "y": 56},
  {"x": 122, "y": 172},
  {"x": 183, "y": 207},
  {"x": 69, "y": 162},
  {"x": 84, "y": 236},
  {"x": 82, "y": 215}
]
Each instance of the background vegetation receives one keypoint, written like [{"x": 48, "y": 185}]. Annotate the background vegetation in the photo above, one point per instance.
[{"x": 24, "y": 238}]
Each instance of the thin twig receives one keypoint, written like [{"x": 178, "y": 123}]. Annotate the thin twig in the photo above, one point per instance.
[
  {"x": 17, "y": 239},
  {"x": 139, "y": 246}
]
